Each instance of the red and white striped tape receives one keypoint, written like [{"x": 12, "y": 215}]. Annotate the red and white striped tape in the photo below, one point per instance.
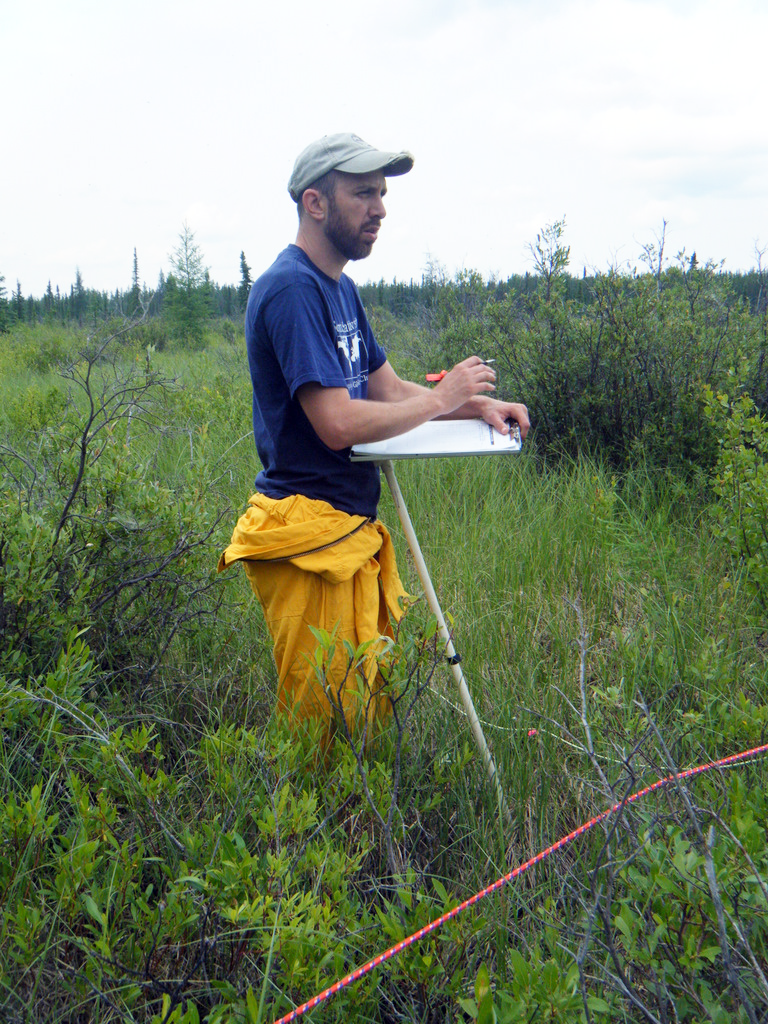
[{"x": 356, "y": 975}]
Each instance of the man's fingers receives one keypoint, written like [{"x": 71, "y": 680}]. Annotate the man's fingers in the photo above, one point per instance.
[
  {"x": 501, "y": 416},
  {"x": 480, "y": 366}
]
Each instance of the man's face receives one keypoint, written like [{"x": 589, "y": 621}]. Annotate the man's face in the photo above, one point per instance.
[{"x": 355, "y": 213}]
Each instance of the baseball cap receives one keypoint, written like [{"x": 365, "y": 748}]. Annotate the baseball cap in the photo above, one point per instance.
[{"x": 343, "y": 152}]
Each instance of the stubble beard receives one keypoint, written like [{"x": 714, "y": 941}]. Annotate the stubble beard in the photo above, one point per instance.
[{"x": 345, "y": 240}]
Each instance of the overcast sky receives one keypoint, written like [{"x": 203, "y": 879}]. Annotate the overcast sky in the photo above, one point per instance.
[{"x": 123, "y": 121}]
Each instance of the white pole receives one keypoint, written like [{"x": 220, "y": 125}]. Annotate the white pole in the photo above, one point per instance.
[{"x": 450, "y": 650}]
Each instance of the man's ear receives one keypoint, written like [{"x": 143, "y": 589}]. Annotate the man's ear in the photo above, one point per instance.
[{"x": 315, "y": 203}]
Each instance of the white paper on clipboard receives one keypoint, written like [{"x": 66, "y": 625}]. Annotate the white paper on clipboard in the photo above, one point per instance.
[{"x": 441, "y": 438}]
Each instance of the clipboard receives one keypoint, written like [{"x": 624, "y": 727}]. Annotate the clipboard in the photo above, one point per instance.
[{"x": 441, "y": 439}]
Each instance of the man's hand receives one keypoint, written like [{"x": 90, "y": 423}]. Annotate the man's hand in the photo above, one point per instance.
[
  {"x": 481, "y": 377},
  {"x": 464, "y": 382},
  {"x": 473, "y": 376},
  {"x": 498, "y": 414}
]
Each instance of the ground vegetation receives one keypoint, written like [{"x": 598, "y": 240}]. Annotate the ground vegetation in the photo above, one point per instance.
[{"x": 170, "y": 855}]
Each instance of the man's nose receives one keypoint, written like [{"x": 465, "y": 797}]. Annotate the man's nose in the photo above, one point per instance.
[{"x": 379, "y": 208}]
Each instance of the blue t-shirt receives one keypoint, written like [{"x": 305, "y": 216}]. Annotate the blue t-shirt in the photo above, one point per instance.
[{"x": 302, "y": 326}]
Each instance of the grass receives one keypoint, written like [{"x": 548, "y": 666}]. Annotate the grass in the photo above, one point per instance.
[{"x": 598, "y": 610}]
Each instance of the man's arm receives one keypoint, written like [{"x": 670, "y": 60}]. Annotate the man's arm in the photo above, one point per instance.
[
  {"x": 385, "y": 385},
  {"x": 393, "y": 406}
]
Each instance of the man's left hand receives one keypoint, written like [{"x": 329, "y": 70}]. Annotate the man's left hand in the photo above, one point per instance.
[{"x": 498, "y": 414}]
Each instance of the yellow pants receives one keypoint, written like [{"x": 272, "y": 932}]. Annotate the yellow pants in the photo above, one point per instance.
[{"x": 311, "y": 565}]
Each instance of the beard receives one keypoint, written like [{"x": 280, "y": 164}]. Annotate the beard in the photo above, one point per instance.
[{"x": 345, "y": 239}]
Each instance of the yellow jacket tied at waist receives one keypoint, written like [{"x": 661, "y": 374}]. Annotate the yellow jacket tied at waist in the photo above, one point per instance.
[{"x": 313, "y": 565}]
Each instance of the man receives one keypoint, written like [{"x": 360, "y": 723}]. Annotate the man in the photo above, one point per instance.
[{"x": 313, "y": 550}]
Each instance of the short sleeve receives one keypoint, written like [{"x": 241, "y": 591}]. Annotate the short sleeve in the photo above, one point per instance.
[{"x": 296, "y": 321}]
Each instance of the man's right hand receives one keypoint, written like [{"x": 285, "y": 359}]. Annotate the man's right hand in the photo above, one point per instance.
[{"x": 468, "y": 378}]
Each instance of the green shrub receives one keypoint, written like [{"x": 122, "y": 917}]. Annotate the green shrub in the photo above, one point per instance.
[
  {"x": 39, "y": 347},
  {"x": 37, "y": 407},
  {"x": 740, "y": 515},
  {"x": 152, "y": 332},
  {"x": 116, "y": 891},
  {"x": 91, "y": 539},
  {"x": 620, "y": 376}
]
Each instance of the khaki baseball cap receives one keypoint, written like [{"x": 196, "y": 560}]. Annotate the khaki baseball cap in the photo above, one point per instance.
[{"x": 343, "y": 152}]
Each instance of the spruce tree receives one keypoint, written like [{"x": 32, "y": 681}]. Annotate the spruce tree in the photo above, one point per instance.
[
  {"x": 135, "y": 302},
  {"x": 4, "y": 310},
  {"x": 187, "y": 289},
  {"x": 79, "y": 298},
  {"x": 244, "y": 287}
]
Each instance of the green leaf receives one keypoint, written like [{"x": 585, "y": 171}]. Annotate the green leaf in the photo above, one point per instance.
[
  {"x": 253, "y": 1007},
  {"x": 486, "y": 1014},
  {"x": 469, "y": 1006},
  {"x": 93, "y": 910},
  {"x": 482, "y": 983},
  {"x": 597, "y": 1004},
  {"x": 193, "y": 880},
  {"x": 441, "y": 891}
]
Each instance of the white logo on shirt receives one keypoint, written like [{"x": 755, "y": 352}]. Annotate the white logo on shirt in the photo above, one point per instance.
[{"x": 349, "y": 344}]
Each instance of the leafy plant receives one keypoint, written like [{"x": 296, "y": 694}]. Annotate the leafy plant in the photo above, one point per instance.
[
  {"x": 90, "y": 539},
  {"x": 741, "y": 484}
]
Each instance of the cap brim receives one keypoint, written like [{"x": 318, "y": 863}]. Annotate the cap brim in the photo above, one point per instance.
[{"x": 391, "y": 164}]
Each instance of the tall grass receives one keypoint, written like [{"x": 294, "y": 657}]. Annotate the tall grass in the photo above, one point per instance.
[
  {"x": 176, "y": 844},
  {"x": 512, "y": 548}
]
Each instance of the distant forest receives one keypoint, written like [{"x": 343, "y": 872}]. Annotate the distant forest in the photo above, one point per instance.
[{"x": 190, "y": 283}]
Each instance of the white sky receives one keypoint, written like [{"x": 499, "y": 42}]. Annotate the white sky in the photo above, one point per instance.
[{"x": 124, "y": 120}]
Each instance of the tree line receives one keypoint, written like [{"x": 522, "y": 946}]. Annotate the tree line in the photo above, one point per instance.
[{"x": 186, "y": 298}]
